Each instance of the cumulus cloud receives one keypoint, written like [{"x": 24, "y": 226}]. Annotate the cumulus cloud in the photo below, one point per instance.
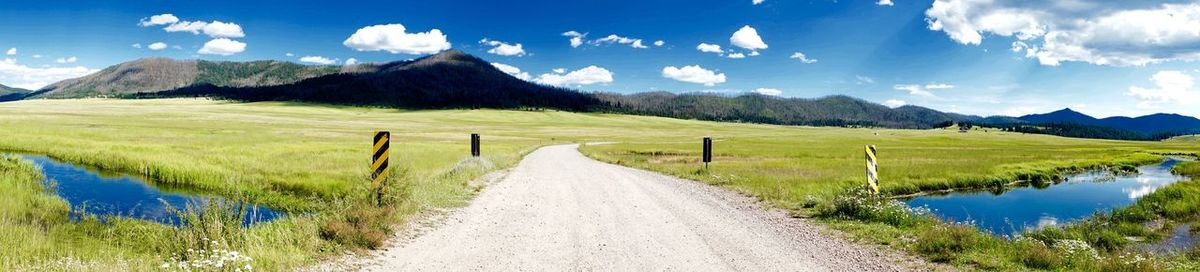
[
  {"x": 939, "y": 86},
  {"x": 559, "y": 70},
  {"x": 659, "y": 43},
  {"x": 913, "y": 89},
  {"x": 289, "y": 54},
  {"x": 747, "y": 37},
  {"x": 67, "y": 60},
  {"x": 193, "y": 27},
  {"x": 736, "y": 56},
  {"x": 756, "y": 2},
  {"x": 503, "y": 48},
  {"x": 157, "y": 46},
  {"x": 223, "y": 47},
  {"x": 394, "y": 39},
  {"x": 693, "y": 74},
  {"x": 11, "y": 51},
  {"x": 885, "y": 3},
  {"x": 893, "y": 103},
  {"x": 512, "y": 71},
  {"x": 36, "y": 56},
  {"x": 318, "y": 60},
  {"x": 136, "y": 45},
  {"x": 586, "y": 76},
  {"x": 1169, "y": 87},
  {"x": 351, "y": 61},
  {"x": 709, "y": 48},
  {"x": 768, "y": 91},
  {"x": 576, "y": 37},
  {"x": 1129, "y": 33},
  {"x": 802, "y": 58},
  {"x": 21, "y": 76},
  {"x": 218, "y": 29},
  {"x": 161, "y": 19}
]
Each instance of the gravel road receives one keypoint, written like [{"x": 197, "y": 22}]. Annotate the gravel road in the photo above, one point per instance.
[{"x": 561, "y": 211}]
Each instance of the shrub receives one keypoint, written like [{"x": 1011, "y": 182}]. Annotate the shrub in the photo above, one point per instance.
[
  {"x": 361, "y": 226},
  {"x": 942, "y": 243},
  {"x": 1037, "y": 255}
]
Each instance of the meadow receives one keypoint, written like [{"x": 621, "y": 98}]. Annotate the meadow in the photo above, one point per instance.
[{"x": 312, "y": 160}]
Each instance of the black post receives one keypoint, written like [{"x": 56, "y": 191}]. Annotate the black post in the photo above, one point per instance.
[
  {"x": 707, "y": 151},
  {"x": 475, "y": 145}
]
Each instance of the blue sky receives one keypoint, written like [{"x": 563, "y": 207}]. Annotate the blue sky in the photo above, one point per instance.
[{"x": 968, "y": 56}]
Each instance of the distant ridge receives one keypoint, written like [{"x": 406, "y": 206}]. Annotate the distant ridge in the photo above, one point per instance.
[
  {"x": 454, "y": 79},
  {"x": 162, "y": 74}
]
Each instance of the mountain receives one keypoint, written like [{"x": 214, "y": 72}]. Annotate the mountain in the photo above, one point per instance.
[
  {"x": 451, "y": 79},
  {"x": 161, "y": 74},
  {"x": 1161, "y": 123},
  {"x": 12, "y": 93},
  {"x": 827, "y": 111},
  {"x": 1066, "y": 115}
]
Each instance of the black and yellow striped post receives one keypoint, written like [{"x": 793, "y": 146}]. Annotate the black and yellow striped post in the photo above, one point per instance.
[
  {"x": 872, "y": 170},
  {"x": 379, "y": 162}
]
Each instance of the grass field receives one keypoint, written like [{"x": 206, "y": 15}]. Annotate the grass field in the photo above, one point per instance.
[{"x": 312, "y": 160}]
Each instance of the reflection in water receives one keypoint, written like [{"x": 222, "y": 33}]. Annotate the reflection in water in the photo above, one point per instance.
[
  {"x": 1082, "y": 196},
  {"x": 107, "y": 194}
]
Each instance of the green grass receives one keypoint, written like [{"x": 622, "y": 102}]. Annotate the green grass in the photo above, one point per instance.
[{"x": 313, "y": 159}]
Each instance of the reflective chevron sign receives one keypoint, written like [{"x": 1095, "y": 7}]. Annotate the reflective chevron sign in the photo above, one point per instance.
[
  {"x": 872, "y": 170},
  {"x": 379, "y": 160}
]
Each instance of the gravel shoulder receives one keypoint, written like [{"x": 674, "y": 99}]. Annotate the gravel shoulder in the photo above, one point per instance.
[{"x": 560, "y": 211}]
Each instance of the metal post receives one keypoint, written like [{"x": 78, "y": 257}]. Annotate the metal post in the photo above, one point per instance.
[
  {"x": 474, "y": 145},
  {"x": 707, "y": 151}
]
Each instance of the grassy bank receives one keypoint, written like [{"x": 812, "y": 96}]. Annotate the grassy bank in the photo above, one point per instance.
[{"x": 313, "y": 159}]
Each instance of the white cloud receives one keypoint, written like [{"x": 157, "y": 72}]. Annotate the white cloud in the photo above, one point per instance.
[
  {"x": 736, "y": 56},
  {"x": 136, "y": 45},
  {"x": 351, "y": 61},
  {"x": 1170, "y": 87},
  {"x": 756, "y": 2},
  {"x": 632, "y": 42},
  {"x": 318, "y": 60},
  {"x": 222, "y": 46},
  {"x": 185, "y": 26},
  {"x": 66, "y": 60},
  {"x": 802, "y": 58},
  {"x": 576, "y": 37},
  {"x": 512, "y": 71},
  {"x": 586, "y": 76},
  {"x": 37, "y": 56},
  {"x": 161, "y": 19},
  {"x": 157, "y": 46},
  {"x": 218, "y": 29},
  {"x": 913, "y": 90},
  {"x": 503, "y": 49},
  {"x": 1128, "y": 33},
  {"x": 893, "y": 103},
  {"x": 21, "y": 76},
  {"x": 289, "y": 54},
  {"x": 768, "y": 91},
  {"x": 394, "y": 39},
  {"x": 709, "y": 48},
  {"x": 559, "y": 70},
  {"x": 659, "y": 43},
  {"x": 885, "y": 3},
  {"x": 939, "y": 86},
  {"x": 747, "y": 37},
  {"x": 11, "y": 51},
  {"x": 693, "y": 74}
]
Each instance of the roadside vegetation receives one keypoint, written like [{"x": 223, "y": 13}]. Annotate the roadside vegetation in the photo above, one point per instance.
[{"x": 311, "y": 161}]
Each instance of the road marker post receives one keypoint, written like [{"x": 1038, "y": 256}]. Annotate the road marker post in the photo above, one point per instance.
[
  {"x": 379, "y": 163},
  {"x": 707, "y": 151},
  {"x": 475, "y": 145},
  {"x": 872, "y": 170}
]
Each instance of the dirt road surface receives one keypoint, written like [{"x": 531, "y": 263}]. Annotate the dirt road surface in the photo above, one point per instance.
[{"x": 561, "y": 211}]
